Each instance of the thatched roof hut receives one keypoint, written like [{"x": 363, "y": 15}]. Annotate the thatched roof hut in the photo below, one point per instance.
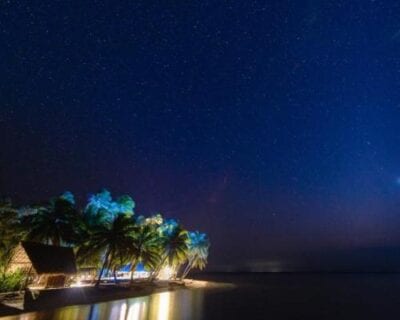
[{"x": 50, "y": 264}]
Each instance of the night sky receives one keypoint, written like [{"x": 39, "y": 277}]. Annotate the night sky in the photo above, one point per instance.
[{"x": 271, "y": 125}]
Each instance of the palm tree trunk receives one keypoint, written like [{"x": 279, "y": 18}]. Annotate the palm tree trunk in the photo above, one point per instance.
[
  {"x": 187, "y": 269},
  {"x": 158, "y": 269},
  {"x": 115, "y": 275},
  {"x": 103, "y": 267},
  {"x": 55, "y": 239},
  {"x": 133, "y": 268},
  {"x": 109, "y": 265},
  {"x": 186, "y": 272}
]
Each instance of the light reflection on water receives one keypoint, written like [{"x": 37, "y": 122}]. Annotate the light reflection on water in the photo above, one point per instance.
[{"x": 180, "y": 304}]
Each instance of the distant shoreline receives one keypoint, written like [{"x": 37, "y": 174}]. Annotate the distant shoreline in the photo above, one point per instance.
[
  {"x": 58, "y": 298},
  {"x": 302, "y": 272}
]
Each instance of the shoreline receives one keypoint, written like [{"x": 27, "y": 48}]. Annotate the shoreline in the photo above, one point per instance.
[{"x": 57, "y": 298}]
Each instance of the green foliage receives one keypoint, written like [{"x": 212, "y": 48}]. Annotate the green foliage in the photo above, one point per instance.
[
  {"x": 11, "y": 281},
  {"x": 175, "y": 246},
  {"x": 154, "y": 220},
  {"x": 125, "y": 204},
  {"x": 102, "y": 208},
  {"x": 110, "y": 241},
  {"x": 144, "y": 247},
  {"x": 198, "y": 245},
  {"x": 173, "y": 239},
  {"x": 68, "y": 196},
  {"x": 57, "y": 222}
]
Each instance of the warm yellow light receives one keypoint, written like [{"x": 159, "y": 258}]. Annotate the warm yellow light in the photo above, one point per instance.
[
  {"x": 166, "y": 273},
  {"x": 77, "y": 284},
  {"x": 134, "y": 311},
  {"x": 163, "y": 306},
  {"x": 122, "y": 312}
]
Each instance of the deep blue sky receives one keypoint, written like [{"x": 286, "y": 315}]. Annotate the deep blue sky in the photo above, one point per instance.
[{"x": 271, "y": 125}]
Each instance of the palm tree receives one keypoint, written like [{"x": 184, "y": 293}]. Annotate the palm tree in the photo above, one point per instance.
[
  {"x": 174, "y": 245},
  {"x": 144, "y": 248},
  {"x": 101, "y": 206},
  {"x": 112, "y": 240},
  {"x": 56, "y": 222},
  {"x": 86, "y": 255},
  {"x": 198, "y": 245}
]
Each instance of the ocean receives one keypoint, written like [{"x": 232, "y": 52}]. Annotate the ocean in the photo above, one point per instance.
[{"x": 254, "y": 296}]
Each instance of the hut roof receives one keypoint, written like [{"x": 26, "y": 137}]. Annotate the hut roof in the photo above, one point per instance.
[{"x": 50, "y": 259}]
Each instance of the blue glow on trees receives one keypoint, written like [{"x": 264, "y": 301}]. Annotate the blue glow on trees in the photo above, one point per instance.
[
  {"x": 102, "y": 204},
  {"x": 124, "y": 204},
  {"x": 68, "y": 196},
  {"x": 168, "y": 227},
  {"x": 198, "y": 245},
  {"x": 197, "y": 239}
]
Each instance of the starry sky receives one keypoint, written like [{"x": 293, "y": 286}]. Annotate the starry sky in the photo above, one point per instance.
[{"x": 271, "y": 125}]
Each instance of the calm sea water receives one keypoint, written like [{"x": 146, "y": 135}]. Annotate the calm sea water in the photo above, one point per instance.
[{"x": 256, "y": 296}]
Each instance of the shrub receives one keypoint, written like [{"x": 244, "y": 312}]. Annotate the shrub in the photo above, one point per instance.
[{"x": 11, "y": 281}]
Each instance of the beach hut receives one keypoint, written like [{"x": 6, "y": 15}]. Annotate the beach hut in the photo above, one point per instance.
[
  {"x": 46, "y": 266},
  {"x": 87, "y": 274}
]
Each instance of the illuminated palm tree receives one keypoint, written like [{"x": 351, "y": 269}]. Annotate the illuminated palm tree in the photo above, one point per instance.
[
  {"x": 174, "y": 245},
  {"x": 198, "y": 245},
  {"x": 112, "y": 241},
  {"x": 102, "y": 216},
  {"x": 102, "y": 208},
  {"x": 54, "y": 223},
  {"x": 144, "y": 248}
]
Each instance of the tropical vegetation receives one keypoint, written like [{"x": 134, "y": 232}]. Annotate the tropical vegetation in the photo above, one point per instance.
[
  {"x": 106, "y": 234},
  {"x": 11, "y": 281}
]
